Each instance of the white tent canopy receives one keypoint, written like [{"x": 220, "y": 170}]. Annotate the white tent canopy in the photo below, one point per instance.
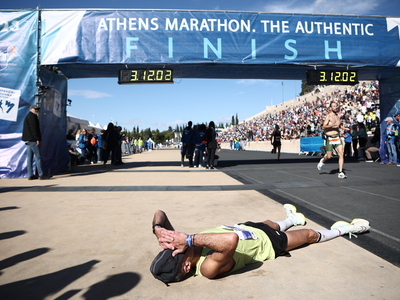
[{"x": 75, "y": 123}]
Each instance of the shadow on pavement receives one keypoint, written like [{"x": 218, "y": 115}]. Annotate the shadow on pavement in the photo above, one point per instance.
[
  {"x": 11, "y": 234},
  {"x": 13, "y": 260},
  {"x": 40, "y": 287},
  {"x": 8, "y": 208},
  {"x": 114, "y": 285}
]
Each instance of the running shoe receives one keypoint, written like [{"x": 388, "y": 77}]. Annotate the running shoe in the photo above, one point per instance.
[
  {"x": 356, "y": 226},
  {"x": 342, "y": 175},
  {"x": 291, "y": 213},
  {"x": 320, "y": 164}
]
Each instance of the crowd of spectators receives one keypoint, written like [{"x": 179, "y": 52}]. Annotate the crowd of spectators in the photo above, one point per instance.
[
  {"x": 89, "y": 146},
  {"x": 359, "y": 105}
]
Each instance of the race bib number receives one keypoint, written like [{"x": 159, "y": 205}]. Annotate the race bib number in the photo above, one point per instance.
[
  {"x": 243, "y": 233},
  {"x": 334, "y": 140}
]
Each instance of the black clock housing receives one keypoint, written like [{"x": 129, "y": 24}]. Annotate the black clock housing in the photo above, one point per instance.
[
  {"x": 132, "y": 76},
  {"x": 330, "y": 77}
]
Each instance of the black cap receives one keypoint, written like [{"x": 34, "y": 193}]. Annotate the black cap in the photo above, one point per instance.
[
  {"x": 35, "y": 106},
  {"x": 165, "y": 267}
]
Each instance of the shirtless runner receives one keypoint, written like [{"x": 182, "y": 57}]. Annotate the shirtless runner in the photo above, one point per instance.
[{"x": 331, "y": 127}]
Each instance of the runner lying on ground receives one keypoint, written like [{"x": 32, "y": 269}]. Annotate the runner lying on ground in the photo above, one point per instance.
[{"x": 226, "y": 249}]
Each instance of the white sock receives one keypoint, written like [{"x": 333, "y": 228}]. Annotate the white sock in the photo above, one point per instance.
[
  {"x": 286, "y": 224},
  {"x": 326, "y": 235}
]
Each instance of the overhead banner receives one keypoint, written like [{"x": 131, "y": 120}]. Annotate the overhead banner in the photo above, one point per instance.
[
  {"x": 140, "y": 36},
  {"x": 18, "y": 69}
]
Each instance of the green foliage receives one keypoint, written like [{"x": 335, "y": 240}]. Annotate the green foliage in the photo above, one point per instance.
[
  {"x": 146, "y": 134},
  {"x": 305, "y": 88},
  {"x": 155, "y": 135}
]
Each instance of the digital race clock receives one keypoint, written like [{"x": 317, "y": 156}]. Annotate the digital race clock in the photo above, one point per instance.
[
  {"x": 129, "y": 76},
  {"x": 328, "y": 77}
]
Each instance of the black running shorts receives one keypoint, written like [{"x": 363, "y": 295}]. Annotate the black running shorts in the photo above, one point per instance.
[{"x": 278, "y": 238}]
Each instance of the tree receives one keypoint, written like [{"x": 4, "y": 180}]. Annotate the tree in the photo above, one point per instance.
[
  {"x": 305, "y": 88},
  {"x": 158, "y": 137},
  {"x": 237, "y": 119},
  {"x": 233, "y": 121},
  {"x": 147, "y": 134},
  {"x": 169, "y": 135}
]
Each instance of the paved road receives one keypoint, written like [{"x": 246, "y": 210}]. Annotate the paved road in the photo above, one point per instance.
[
  {"x": 371, "y": 191},
  {"x": 87, "y": 234}
]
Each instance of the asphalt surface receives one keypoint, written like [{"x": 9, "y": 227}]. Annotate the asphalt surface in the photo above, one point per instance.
[
  {"x": 371, "y": 191},
  {"x": 87, "y": 234}
]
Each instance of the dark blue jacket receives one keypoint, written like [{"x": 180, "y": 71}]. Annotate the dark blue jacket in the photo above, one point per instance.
[{"x": 188, "y": 136}]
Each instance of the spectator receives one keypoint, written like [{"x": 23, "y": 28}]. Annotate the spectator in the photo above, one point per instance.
[
  {"x": 389, "y": 138},
  {"x": 375, "y": 141},
  {"x": 118, "y": 155},
  {"x": 140, "y": 144},
  {"x": 100, "y": 149},
  {"x": 200, "y": 147},
  {"x": 92, "y": 146},
  {"x": 211, "y": 136},
  {"x": 397, "y": 140},
  {"x": 362, "y": 139},
  {"x": 70, "y": 136},
  {"x": 354, "y": 139},
  {"x": 187, "y": 145},
  {"x": 110, "y": 144},
  {"x": 347, "y": 142},
  {"x": 83, "y": 141},
  {"x": 32, "y": 137}
]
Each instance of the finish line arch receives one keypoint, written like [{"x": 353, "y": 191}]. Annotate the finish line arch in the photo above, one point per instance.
[{"x": 41, "y": 49}]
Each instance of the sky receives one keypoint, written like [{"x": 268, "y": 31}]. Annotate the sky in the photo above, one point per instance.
[{"x": 102, "y": 100}]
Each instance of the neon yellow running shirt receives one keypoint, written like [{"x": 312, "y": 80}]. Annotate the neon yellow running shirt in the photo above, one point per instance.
[{"x": 247, "y": 251}]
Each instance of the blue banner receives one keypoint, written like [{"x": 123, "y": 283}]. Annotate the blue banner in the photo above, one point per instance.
[
  {"x": 53, "y": 122},
  {"x": 135, "y": 36},
  {"x": 311, "y": 144},
  {"x": 18, "y": 69}
]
